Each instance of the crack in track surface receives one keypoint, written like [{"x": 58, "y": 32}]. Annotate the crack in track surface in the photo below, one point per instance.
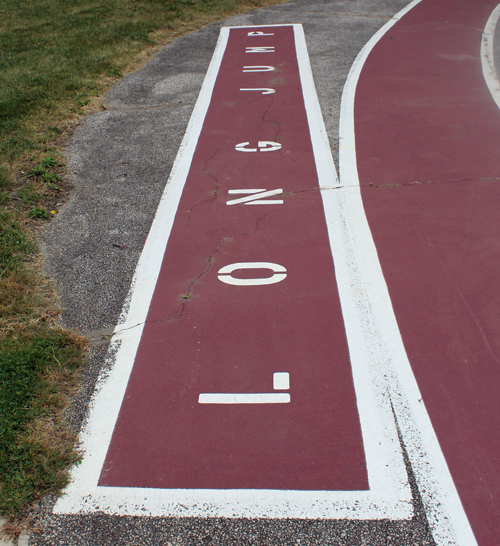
[
  {"x": 187, "y": 295},
  {"x": 214, "y": 192},
  {"x": 416, "y": 182},
  {"x": 284, "y": 194}
]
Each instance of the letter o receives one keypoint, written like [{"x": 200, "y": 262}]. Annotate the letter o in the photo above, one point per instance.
[{"x": 278, "y": 270}]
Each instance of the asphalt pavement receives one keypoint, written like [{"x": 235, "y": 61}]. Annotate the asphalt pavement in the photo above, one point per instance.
[{"x": 119, "y": 161}]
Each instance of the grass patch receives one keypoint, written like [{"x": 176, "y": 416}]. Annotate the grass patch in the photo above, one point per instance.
[
  {"x": 58, "y": 57},
  {"x": 34, "y": 384},
  {"x": 38, "y": 365},
  {"x": 59, "y": 54}
]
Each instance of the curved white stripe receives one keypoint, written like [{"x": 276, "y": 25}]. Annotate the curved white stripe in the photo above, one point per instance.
[
  {"x": 487, "y": 57},
  {"x": 369, "y": 299}
]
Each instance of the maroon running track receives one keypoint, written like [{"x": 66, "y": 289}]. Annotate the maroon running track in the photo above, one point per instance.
[{"x": 428, "y": 151}]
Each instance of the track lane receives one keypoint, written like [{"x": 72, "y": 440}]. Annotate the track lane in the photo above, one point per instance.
[{"x": 427, "y": 141}]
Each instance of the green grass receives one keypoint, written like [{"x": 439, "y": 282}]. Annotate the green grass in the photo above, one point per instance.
[
  {"x": 56, "y": 52},
  {"x": 56, "y": 59},
  {"x": 38, "y": 364},
  {"x": 36, "y": 450}
]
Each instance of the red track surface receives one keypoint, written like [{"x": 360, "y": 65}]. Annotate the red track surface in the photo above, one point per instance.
[
  {"x": 231, "y": 339},
  {"x": 427, "y": 127}
]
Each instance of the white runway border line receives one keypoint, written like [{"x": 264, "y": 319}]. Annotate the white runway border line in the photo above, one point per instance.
[{"x": 389, "y": 496}]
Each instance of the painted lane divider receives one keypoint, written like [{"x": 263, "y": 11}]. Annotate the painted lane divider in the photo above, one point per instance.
[
  {"x": 281, "y": 381},
  {"x": 430, "y": 385},
  {"x": 267, "y": 298}
]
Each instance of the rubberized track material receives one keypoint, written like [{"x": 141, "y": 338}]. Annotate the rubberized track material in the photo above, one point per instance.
[
  {"x": 200, "y": 411},
  {"x": 430, "y": 186}
]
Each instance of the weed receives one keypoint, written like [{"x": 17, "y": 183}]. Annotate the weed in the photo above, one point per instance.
[
  {"x": 36, "y": 212},
  {"x": 30, "y": 196},
  {"x": 49, "y": 134},
  {"x": 15, "y": 246},
  {"x": 4, "y": 177},
  {"x": 48, "y": 162},
  {"x": 37, "y": 170},
  {"x": 4, "y": 182},
  {"x": 50, "y": 177},
  {"x": 37, "y": 373}
]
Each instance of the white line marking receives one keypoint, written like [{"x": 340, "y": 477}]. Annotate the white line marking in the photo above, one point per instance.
[
  {"x": 487, "y": 55},
  {"x": 367, "y": 298},
  {"x": 263, "y": 26},
  {"x": 389, "y": 496},
  {"x": 386, "y": 471},
  {"x": 244, "y": 398},
  {"x": 281, "y": 381},
  {"x": 109, "y": 392}
]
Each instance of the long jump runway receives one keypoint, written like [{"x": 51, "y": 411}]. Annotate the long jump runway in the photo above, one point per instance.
[
  {"x": 234, "y": 368},
  {"x": 299, "y": 346}
]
